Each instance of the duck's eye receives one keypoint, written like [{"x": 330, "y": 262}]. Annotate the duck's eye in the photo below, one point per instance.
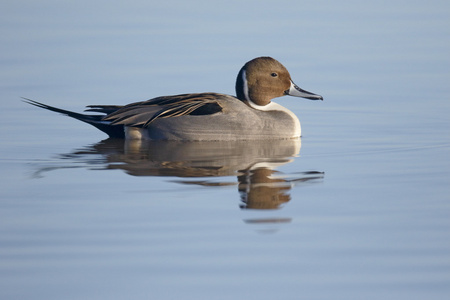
[{"x": 274, "y": 74}]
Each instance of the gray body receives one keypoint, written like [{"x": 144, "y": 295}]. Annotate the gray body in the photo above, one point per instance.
[{"x": 236, "y": 121}]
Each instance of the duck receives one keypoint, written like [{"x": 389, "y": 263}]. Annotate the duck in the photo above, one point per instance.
[{"x": 250, "y": 115}]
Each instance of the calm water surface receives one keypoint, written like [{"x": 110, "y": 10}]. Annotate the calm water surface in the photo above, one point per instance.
[{"x": 359, "y": 208}]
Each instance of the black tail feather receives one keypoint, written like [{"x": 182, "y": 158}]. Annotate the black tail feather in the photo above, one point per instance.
[
  {"x": 114, "y": 131},
  {"x": 106, "y": 109}
]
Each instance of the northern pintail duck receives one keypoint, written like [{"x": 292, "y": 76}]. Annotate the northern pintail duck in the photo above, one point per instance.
[{"x": 251, "y": 115}]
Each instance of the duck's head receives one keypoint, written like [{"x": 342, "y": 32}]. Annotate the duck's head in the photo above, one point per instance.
[{"x": 264, "y": 78}]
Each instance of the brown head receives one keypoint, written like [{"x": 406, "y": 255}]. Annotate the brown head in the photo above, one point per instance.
[{"x": 264, "y": 78}]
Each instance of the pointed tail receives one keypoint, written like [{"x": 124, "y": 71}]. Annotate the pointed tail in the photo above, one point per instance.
[{"x": 114, "y": 131}]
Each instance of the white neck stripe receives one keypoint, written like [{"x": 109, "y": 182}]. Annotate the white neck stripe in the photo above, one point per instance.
[{"x": 245, "y": 85}]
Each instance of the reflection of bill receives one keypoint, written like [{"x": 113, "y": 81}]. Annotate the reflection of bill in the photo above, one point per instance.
[{"x": 265, "y": 188}]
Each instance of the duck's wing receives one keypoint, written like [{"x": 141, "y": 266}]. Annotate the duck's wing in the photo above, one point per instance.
[{"x": 142, "y": 114}]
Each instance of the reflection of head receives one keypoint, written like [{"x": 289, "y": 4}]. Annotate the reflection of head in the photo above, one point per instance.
[{"x": 259, "y": 190}]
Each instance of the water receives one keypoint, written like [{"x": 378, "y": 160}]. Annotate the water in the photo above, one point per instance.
[{"x": 359, "y": 208}]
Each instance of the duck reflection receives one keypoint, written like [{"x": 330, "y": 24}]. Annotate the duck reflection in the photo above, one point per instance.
[{"x": 253, "y": 163}]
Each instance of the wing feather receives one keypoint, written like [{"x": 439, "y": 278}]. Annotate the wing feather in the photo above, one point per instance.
[{"x": 142, "y": 114}]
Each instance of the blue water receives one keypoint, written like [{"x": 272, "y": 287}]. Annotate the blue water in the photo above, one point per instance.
[{"x": 358, "y": 209}]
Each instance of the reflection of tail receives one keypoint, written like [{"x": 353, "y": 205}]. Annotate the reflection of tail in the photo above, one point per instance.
[{"x": 115, "y": 131}]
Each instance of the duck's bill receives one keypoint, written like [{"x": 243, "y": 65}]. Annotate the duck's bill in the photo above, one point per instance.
[{"x": 295, "y": 91}]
